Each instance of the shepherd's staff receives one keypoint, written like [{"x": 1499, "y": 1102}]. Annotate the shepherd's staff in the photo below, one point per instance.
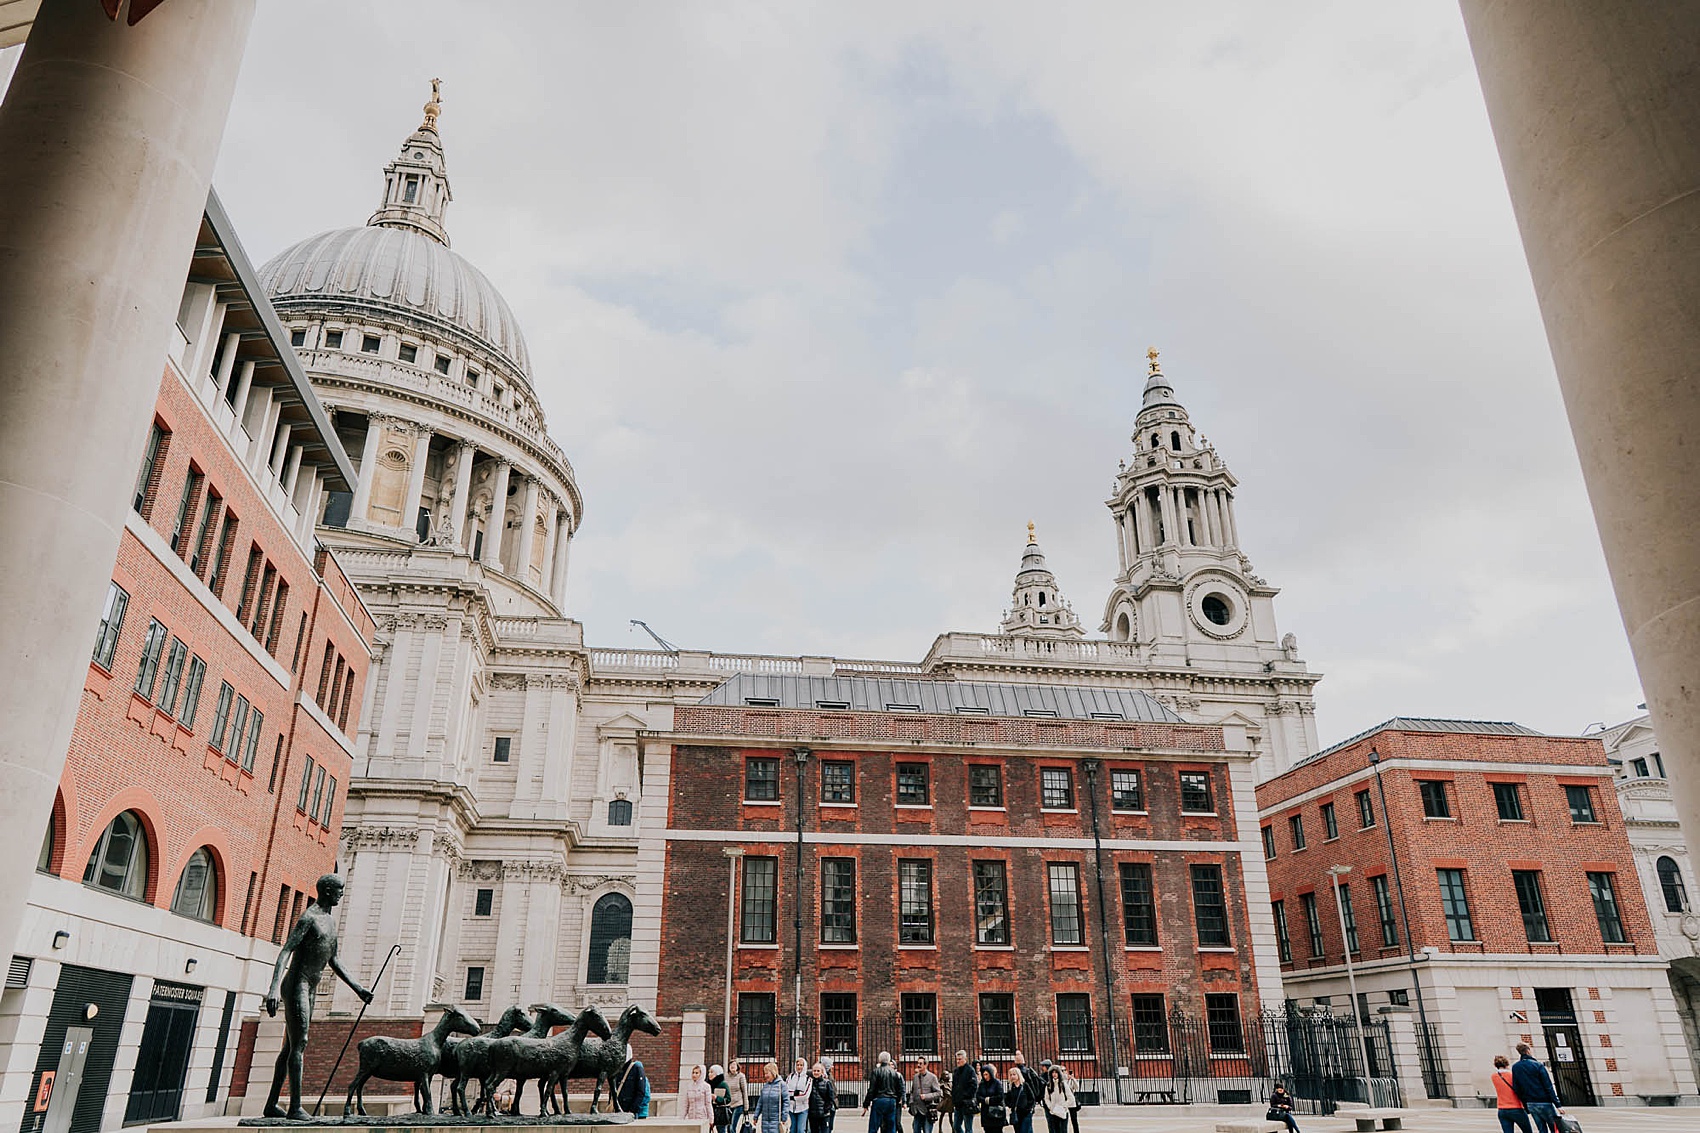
[{"x": 319, "y": 1105}]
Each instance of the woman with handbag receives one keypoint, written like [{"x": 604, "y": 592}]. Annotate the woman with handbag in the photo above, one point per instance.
[
  {"x": 988, "y": 1099},
  {"x": 1512, "y": 1115},
  {"x": 1281, "y": 1108},
  {"x": 1059, "y": 1099}
]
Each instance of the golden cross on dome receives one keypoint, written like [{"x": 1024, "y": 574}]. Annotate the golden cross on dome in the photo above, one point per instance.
[
  {"x": 1151, "y": 353},
  {"x": 1031, "y": 538},
  {"x": 435, "y": 106}
]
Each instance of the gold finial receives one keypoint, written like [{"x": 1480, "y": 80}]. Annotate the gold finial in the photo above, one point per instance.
[
  {"x": 435, "y": 106},
  {"x": 1151, "y": 354},
  {"x": 1031, "y": 538}
]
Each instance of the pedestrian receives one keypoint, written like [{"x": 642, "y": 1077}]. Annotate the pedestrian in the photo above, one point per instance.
[
  {"x": 1073, "y": 1088},
  {"x": 770, "y": 1102},
  {"x": 884, "y": 1097},
  {"x": 1021, "y": 1096},
  {"x": 721, "y": 1098},
  {"x": 1059, "y": 1099},
  {"x": 1511, "y": 1112},
  {"x": 1281, "y": 1108},
  {"x": 696, "y": 1099},
  {"x": 989, "y": 1101},
  {"x": 797, "y": 1096},
  {"x": 632, "y": 1094},
  {"x": 963, "y": 1084},
  {"x": 823, "y": 1099},
  {"x": 1534, "y": 1089},
  {"x": 925, "y": 1093},
  {"x": 738, "y": 1095},
  {"x": 826, "y": 1072}
]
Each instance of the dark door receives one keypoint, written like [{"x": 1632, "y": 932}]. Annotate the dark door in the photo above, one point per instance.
[
  {"x": 1565, "y": 1058},
  {"x": 162, "y": 1062},
  {"x": 95, "y": 1001},
  {"x": 67, "y": 1079}
]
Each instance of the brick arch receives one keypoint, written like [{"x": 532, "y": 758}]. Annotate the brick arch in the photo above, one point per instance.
[
  {"x": 147, "y": 809},
  {"x": 217, "y": 843},
  {"x": 66, "y": 815}
]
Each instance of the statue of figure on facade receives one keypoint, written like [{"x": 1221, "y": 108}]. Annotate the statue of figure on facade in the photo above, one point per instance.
[{"x": 311, "y": 945}]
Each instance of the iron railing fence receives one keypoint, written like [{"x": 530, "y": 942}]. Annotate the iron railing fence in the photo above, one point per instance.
[{"x": 1180, "y": 1060}]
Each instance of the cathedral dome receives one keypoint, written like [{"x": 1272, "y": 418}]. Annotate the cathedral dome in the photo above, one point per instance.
[{"x": 398, "y": 271}]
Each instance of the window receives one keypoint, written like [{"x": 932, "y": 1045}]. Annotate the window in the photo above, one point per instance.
[
  {"x": 1658, "y": 764},
  {"x": 1222, "y": 1020},
  {"x": 1269, "y": 843},
  {"x": 619, "y": 812},
  {"x": 1126, "y": 791},
  {"x": 440, "y": 363},
  {"x": 838, "y": 901},
  {"x": 838, "y": 1024},
  {"x": 761, "y": 780},
  {"x": 1639, "y": 767},
  {"x": 173, "y": 676},
  {"x": 1456, "y": 903},
  {"x": 1074, "y": 1023},
  {"x": 1604, "y": 893},
  {"x": 152, "y": 457},
  {"x": 991, "y": 903},
  {"x": 1056, "y": 788},
  {"x": 755, "y": 1024},
  {"x": 985, "y": 785},
  {"x": 1670, "y": 881},
  {"x": 1296, "y": 828},
  {"x": 1581, "y": 800},
  {"x": 1384, "y": 911},
  {"x": 238, "y": 722},
  {"x": 111, "y": 621},
  {"x": 1350, "y": 916},
  {"x": 915, "y": 902},
  {"x": 330, "y": 800},
  {"x": 257, "y": 720},
  {"x": 912, "y": 785},
  {"x": 1532, "y": 905},
  {"x": 1066, "y": 927},
  {"x": 318, "y": 792},
  {"x": 1139, "y": 905},
  {"x": 306, "y": 787},
  {"x": 408, "y": 353},
  {"x": 920, "y": 1023},
  {"x": 152, "y": 646},
  {"x": 760, "y": 897},
  {"x": 471, "y": 375},
  {"x": 1366, "y": 810},
  {"x": 1313, "y": 922},
  {"x": 1150, "y": 1024},
  {"x": 197, "y": 888},
  {"x": 610, "y": 940},
  {"x": 1435, "y": 802},
  {"x": 1330, "y": 827},
  {"x": 474, "y": 984},
  {"x": 1195, "y": 793},
  {"x": 997, "y": 1022},
  {"x": 504, "y": 749},
  {"x": 221, "y": 552},
  {"x": 120, "y": 859},
  {"x": 1210, "y": 906},
  {"x": 484, "y": 903},
  {"x": 837, "y": 781},
  {"x": 333, "y": 340},
  {"x": 186, "y": 512},
  {"x": 298, "y": 337},
  {"x": 221, "y": 715},
  {"x": 410, "y": 191},
  {"x": 369, "y": 344},
  {"x": 1283, "y": 941},
  {"x": 1508, "y": 800}
]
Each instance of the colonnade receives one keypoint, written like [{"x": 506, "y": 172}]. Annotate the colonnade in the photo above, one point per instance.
[{"x": 1211, "y": 509}]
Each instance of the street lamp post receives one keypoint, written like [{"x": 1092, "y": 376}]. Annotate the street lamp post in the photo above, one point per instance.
[
  {"x": 1425, "y": 1046},
  {"x": 733, "y": 855},
  {"x": 1335, "y": 872}
]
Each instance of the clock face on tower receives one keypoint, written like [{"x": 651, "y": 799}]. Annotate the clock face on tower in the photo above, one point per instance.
[{"x": 1217, "y": 605}]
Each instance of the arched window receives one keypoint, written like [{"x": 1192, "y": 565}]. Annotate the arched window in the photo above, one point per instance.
[
  {"x": 44, "y": 860},
  {"x": 620, "y": 812},
  {"x": 197, "y": 889},
  {"x": 610, "y": 940},
  {"x": 1670, "y": 880},
  {"x": 120, "y": 858},
  {"x": 1123, "y": 629},
  {"x": 1175, "y": 441},
  {"x": 1156, "y": 441},
  {"x": 1041, "y": 599}
]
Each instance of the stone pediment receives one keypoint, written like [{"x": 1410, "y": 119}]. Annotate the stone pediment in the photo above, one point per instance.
[{"x": 625, "y": 724}]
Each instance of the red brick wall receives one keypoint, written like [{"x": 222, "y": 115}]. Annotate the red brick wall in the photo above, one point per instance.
[{"x": 1474, "y": 839}]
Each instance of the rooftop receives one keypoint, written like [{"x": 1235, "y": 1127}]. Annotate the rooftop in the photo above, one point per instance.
[
  {"x": 1433, "y": 724},
  {"x": 967, "y": 698}
]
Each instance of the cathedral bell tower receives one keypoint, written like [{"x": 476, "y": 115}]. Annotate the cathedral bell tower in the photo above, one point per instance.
[
  {"x": 1038, "y": 608},
  {"x": 416, "y": 183}
]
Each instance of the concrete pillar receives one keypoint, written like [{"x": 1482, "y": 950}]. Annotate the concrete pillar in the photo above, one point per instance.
[
  {"x": 416, "y": 478},
  {"x": 244, "y": 384},
  {"x": 227, "y": 361},
  {"x": 292, "y": 471},
  {"x": 280, "y": 446},
  {"x": 107, "y": 140},
  {"x": 1596, "y": 115},
  {"x": 461, "y": 517},
  {"x": 498, "y": 517},
  {"x": 368, "y": 466},
  {"x": 527, "y": 532}
]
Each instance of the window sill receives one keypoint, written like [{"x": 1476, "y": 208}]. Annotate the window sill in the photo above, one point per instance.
[
  {"x": 1070, "y": 948},
  {"x": 1058, "y": 810},
  {"x": 917, "y": 948},
  {"x": 1222, "y": 948},
  {"x": 913, "y": 806},
  {"x": 1593, "y": 822},
  {"x": 1142, "y": 948},
  {"x": 1132, "y": 813},
  {"x": 989, "y": 809},
  {"x": 1514, "y": 822},
  {"x": 1200, "y": 814},
  {"x": 1335, "y": 838},
  {"x": 1439, "y": 818},
  {"x": 762, "y": 802},
  {"x": 838, "y": 806},
  {"x": 774, "y": 947},
  {"x": 994, "y": 948},
  {"x": 838, "y": 947}
]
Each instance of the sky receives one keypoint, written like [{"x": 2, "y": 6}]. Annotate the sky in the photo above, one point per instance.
[{"x": 826, "y": 302}]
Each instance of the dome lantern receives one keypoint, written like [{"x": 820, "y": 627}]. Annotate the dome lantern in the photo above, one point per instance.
[{"x": 416, "y": 183}]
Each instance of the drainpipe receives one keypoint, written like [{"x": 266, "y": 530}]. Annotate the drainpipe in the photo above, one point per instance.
[
  {"x": 1090, "y": 766},
  {"x": 1426, "y": 1040},
  {"x": 802, "y": 756}
]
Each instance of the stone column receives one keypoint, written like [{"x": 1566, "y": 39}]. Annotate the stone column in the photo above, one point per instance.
[
  {"x": 563, "y": 544},
  {"x": 1594, "y": 110},
  {"x": 461, "y": 517},
  {"x": 416, "y": 478},
  {"x": 368, "y": 466},
  {"x": 107, "y": 140},
  {"x": 1166, "y": 502},
  {"x": 1142, "y": 522},
  {"x": 493, "y": 528},
  {"x": 527, "y": 532}
]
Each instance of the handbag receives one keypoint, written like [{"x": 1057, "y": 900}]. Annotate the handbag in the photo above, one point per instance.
[
  {"x": 1275, "y": 1115},
  {"x": 1568, "y": 1124}
]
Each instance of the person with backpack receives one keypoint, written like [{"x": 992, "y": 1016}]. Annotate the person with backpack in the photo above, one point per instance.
[
  {"x": 963, "y": 1085},
  {"x": 633, "y": 1091},
  {"x": 1025, "y": 1100}
]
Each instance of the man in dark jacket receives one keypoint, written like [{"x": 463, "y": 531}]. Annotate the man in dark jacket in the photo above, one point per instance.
[
  {"x": 963, "y": 1083},
  {"x": 632, "y": 1091},
  {"x": 885, "y": 1096},
  {"x": 1534, "y": 1089}
]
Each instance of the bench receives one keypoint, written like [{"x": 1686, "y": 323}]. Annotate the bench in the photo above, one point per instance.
[
  {"x": 1258, "y": 1126},
  {"x": 1367, "y": 1117}
]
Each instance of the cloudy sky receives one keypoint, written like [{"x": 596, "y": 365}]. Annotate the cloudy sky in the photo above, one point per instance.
[{"x": 826, "y": 302}]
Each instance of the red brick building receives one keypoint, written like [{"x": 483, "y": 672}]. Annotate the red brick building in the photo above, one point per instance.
[
  {"x": 966, "y": 865},
  {"x": 203, "y": 790},
  {"x": 1505, "y": 853}
]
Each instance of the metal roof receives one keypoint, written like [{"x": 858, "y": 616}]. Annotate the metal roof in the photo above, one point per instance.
[
  {"x": 1432, "y": 724},
  {"x": 969, "y": 698}
]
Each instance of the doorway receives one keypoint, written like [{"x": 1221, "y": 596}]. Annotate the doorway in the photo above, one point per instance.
[
  {"x": 1564, "y": 1046},
  {"x": 156, "y": 1093}
]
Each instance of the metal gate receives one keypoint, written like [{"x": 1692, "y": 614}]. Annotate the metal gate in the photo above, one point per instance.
[{"x": 162, "y": 1062}]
